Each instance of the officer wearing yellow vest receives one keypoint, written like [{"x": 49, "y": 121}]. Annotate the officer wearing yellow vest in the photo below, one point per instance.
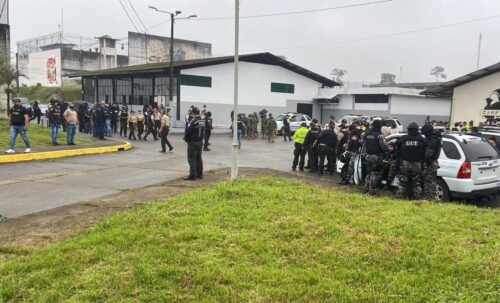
[{"x": 300, "y": 151}]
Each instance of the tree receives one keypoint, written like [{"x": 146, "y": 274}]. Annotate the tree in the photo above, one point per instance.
[
  {"x": 438, "y": 72},
  {"x": 8, "y": 75},
  {"x": 338, "y": 74},
  {"x": 387, "y": 78}
]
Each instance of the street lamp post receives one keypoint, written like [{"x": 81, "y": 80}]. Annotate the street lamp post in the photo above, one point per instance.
[
  {"x": 234, "y": 154},
  {"x": 171, "y": 82}
]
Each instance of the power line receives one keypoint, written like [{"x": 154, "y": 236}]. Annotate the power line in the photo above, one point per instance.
[
  {"x": 388, "y": 35},
  {"x": 137, "y": 15},
  {"x": 128, "y": 15},
  {"x": 281, "y": 14}
]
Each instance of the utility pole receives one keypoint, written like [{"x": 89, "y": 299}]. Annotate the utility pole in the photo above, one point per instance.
[
  {"x": 479, "y": 51},
  {"x": 17, "y": 72},
  {"x": 171, "y": 82},
  {"x": 234, "y": 163}
]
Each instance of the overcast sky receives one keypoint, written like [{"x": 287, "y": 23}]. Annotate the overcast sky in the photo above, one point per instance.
[{"x": 318, "y": 41}]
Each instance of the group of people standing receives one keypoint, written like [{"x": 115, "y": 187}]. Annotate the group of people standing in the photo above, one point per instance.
[
  {"x": 413, "y": 158},
  {"x": 248, "y": 127}
]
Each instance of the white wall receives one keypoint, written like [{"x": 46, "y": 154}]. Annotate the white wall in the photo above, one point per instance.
[
  {"x": 255, "y": 85},
  {"x": 413, "y": 105},
  {"x": 38, "y": 69},
  {"x": 469, "y": 100},
  {"x": 371, "y": 106}
]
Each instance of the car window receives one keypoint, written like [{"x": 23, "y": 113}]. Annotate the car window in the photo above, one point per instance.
[
  {"x": 479, "y": 150},
  {"x": 296, "y": 118},
  {"x": 451, "y": 151},
  {"x": 303, "y": 119}
]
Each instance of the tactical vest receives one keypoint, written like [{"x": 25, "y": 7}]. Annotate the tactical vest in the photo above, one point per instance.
[
  {"x": 412, "y": 148},
  {"x": 372, "y": 143}
]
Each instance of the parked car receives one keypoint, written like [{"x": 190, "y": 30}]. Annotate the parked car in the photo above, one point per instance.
[
  {"x": 469, "y": 167},
  {"x": 24, "y": 102},
  {"x": 391, "y": 122},
  {"x": 487, "y": 133},
  {"x": 351, "y": 118},
  {"x": 295, "y": 121},
  {"x": 43, "y": 108}
]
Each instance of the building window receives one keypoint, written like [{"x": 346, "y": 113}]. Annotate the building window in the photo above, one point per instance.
[
  {"x": 123, "y": 90},
  {"x": 162, "y": 90},
  {"x": 282, "y": 88},
  {"x": 371, "y": 98},
  {"x": 190, "y": 80},
  {"x": 143, "y": 91},
  {"x": 105, "y": 89}
]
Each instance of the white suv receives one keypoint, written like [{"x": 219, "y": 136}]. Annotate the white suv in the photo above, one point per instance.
[
  {"x": 295, "y": 120},
  {"x": 469, "y": 167}
]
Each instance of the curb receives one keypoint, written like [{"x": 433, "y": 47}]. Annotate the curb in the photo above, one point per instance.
[{"x": 4, "y": 159}]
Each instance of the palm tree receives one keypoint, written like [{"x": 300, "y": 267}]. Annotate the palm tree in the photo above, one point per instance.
[
  {"x": 8, "y": 75},
  {"x": 338, "y": 74},
  {"x": 438, "y": 72}
]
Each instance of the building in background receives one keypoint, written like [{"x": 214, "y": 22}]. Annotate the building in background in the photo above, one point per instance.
[
  {"x": 406, "y": 104},
  {"x": 266, "y": 81},
  {"x": 476, "y": 96},
  {"x": 145, "y": 48}
]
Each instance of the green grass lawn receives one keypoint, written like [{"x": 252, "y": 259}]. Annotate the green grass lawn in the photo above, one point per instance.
[
  {"x": 269, "y": 240},
  {"x": 39, "y": 137}
]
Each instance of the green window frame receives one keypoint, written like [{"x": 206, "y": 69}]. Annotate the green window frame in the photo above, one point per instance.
[
  {"x": 282, "y": 88},
  {"x": 200, "y": 81}
]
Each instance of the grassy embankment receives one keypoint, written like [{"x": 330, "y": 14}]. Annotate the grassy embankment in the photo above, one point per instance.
[
  {"x": 269, "y": 240},
  {"x": 41, "y": 93},
  {"x": 39, "y": 137}
]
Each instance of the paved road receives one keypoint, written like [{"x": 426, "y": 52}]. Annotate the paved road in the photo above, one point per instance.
[{"x": 27, "y": 188}]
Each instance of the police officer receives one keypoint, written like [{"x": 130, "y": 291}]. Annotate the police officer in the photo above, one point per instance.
[
  {"x": 18, "y": 123},
  {"x": 194, "y": 134},
  {"x": 300, "y": 150},
  {"x": 140, "y": 124},
  {"x": 312, "y": 148},
  {"x": 286, "y": 128},
  {"x": 431, "y": 165},
  {"x": 115, "y": 111},
  {"x": 100, "y": 120},
  {"x": 375, "y": 149},
  {"x": 327, "y": 142},
  {"x": 208, "y": 130},
  {"x": 271, "y": 128},
  {"x": 123, "y": 120},
  {"x": 54, "y": 116},
  {"x": 410, "y": 151}
]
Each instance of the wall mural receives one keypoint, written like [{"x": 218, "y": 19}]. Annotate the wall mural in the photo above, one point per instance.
[
  {"x": 51, "y": 68},
  {"x": 491, "y": 112}
]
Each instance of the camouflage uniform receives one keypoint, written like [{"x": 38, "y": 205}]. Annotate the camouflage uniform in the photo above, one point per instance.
[
  {"x": 244, "y": 119},
  {"x": 429, "y": 174},
  {"x": 263, "y": 123},
  {"x": 271, "y": 129},
  {"x": 374, "y": 166},
  {"x": 409, "y": 172}
]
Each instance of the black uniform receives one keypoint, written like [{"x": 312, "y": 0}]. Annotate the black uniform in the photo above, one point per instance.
[
  {"x": 410, "y": 150},
  {"x": 286, "y": 129},
  {"x": 312, "y": 149},
  {"x": 148, "y": 120},
  {"x": 208, "y": 132},
  {"x": 431, "y": 164},
  {"x": 195, "y": 132},
  {"x": 100, "y": 121},
  {"x": 115, "y": 111},
  {"x": 327, "y": 142},
  {"x": 123, "y": 120},
  {"x": 375, "y": 149}
]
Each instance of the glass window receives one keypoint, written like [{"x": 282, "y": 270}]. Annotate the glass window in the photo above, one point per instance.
[
  {"x": 282, "y": 88},
  {"x": 123, "y": 90},
  {"x": 478, "y": 150},
  {"x": 89, "y": 89},
  {"x": 451, "y": 151},
  {"x": 105, "y": 89},
  {"x": 143, "y": 91},
  {"x": 371, "y": 98}
]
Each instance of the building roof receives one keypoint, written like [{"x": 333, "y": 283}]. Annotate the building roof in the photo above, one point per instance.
[
  {"x": 261, "y": 58},
  {"x": 446, "y": 89}
]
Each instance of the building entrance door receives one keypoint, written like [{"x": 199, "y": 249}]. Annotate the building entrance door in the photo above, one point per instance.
[{"x": 304, "y": 108}]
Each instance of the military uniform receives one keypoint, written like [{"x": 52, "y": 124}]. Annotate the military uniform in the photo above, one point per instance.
[
  {"x": 132, "y": 123},
  {"x": 431, "y": 165},
  {"x": 263, "y": 123},
  {"x": 410, "y": 151},
  {"x": 375, "y": 149},
  {"x": 271, "y": 129},
  {"x": 123, "y": 120}
]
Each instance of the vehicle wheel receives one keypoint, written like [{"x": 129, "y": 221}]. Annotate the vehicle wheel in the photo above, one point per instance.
[{"x": 442, "y": 191}]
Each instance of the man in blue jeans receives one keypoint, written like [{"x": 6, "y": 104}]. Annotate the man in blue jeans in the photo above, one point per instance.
[
  {"x": 54, "y": 115},
  {"x": 18, "y": 122}
]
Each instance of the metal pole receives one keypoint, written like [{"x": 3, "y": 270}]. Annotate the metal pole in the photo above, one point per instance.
[
  {"x": 234, "y": 163},
  {"x": 479, "y": 51},
  {"x": 17, "y": 72},
  {"x": 171, "y": 88}
]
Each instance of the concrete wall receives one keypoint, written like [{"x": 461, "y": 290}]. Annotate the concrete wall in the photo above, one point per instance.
[
  {"x": 406, "y": 108},
  {"x": 469, "y": 100},
  {"x": 255, "y": 90},
  {"x": 45, "y": 68},
  {"x": 152, "y": 49}
]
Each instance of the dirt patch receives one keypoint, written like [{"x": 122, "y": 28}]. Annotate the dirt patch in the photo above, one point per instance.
[{"x": 37, "y": 230}]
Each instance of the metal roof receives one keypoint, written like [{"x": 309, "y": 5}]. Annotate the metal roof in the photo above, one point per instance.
[
  {"x": 446, "y": 89},
  {"x": 162, "y": 67}
]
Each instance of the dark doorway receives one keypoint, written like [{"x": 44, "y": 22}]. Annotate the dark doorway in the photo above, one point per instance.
[{"x": 306, "y": 109}]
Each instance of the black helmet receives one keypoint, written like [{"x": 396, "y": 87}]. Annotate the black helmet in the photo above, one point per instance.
[
  {"x": 377, "y": 124},
  {"x": 413, "y": 125},
  {"x": 427, "y": 129}
]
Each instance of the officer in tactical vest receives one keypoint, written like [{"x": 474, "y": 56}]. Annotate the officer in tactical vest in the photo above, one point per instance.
[
  {"x": 263, "y": 123},
  {"x": 271, "y": 128},
  {"x": 54, "y": 116},
  {"x": 375, "y": 149},
  {"x": 286, "y": 128},
  {"x": 410, "y": 151},
  {"x": 327, "y": 143},
  {"x": 195, "y": 132},
  {"x": 115, "y": 111},
  {"x": 312, "y": 148},
  {"x": 431, "y": 165}
]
